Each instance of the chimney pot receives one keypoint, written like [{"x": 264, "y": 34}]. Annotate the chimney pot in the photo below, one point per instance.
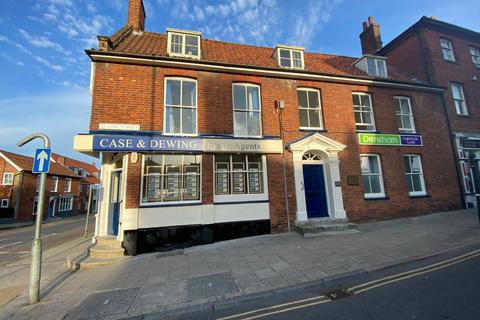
[{"x": 370, "y": 37}]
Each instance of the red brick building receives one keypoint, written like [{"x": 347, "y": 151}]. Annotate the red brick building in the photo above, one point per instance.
[
  {"x": 19, "y": 189},
  {"x": 449, "y": 56},
  {"x": 204, "y": 140},
  {"x": 89, "y": 182}
]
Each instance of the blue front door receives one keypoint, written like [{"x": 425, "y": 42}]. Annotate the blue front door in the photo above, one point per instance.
[
  {"x": 115, "y": 200},
  {"x": 315, "y": 193}
]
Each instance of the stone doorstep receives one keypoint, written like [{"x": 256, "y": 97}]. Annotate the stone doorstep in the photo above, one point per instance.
[
  {"x": 325, "y": 227},
  {"x": 85, "y": 262}
]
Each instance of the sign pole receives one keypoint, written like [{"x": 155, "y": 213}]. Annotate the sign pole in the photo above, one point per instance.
[
  {"x": 88, "y": 208},
  {"x": 36, "y": 264}
]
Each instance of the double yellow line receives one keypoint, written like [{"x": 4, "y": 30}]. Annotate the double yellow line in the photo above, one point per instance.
[{"x": 309, "y": 302}]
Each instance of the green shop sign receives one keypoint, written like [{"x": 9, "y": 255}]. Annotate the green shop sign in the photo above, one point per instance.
[{"x": 376, "y": 139}]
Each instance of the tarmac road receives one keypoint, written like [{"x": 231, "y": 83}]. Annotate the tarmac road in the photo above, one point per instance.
[
  {"x": 443, "y": 288},
  {"x": 15, "y": 244}
]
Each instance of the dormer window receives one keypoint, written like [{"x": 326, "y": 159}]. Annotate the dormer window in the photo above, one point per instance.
[
  {"x": 183, "y": 43},
  {"x": 375, "y": 66},
  {"x": 289, "y": 57}
]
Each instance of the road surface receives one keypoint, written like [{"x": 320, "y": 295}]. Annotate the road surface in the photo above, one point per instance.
[{"x": 15, "y": 244}]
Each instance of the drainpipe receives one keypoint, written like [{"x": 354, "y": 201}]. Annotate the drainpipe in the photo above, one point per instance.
[
  {"x": 455, "y": 152},
  {"x": 280, "y": 107}
]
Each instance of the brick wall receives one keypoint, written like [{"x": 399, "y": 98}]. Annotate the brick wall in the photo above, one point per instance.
[{"x": 134, "y": 94}]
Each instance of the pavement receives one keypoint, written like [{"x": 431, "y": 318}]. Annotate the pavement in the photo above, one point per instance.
[{"x": 201, "y": 277}]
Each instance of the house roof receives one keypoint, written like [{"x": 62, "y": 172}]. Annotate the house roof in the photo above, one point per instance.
[
  {"x": 434, "y": 24},
  {"x": 91, "y": 168},
  {"x": 25, "y": 163},
  {"x": 154, "y": 45}
]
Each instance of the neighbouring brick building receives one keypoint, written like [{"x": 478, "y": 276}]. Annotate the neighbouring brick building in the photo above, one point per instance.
[
  {"x": 204, "y": 140},
  {"x": 89, "y": 182},
  {"x": 19, "y": 189},
  {"x": 449, "y": 56}
]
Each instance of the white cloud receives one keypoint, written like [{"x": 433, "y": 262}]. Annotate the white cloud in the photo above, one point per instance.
[
  {"x": 305, "y": 28},
  {"x": 11, "y": 59},
  {"x": 47, "y": 63},
  {"x": 43, "y": 42},
  {"x": 15, "y": 44}
]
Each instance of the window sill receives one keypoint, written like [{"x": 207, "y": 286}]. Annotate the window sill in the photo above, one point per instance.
[
  {"x": 420, "y": 196},
  {"x": 240, "y": 202},
  {"x": 452, "y": 62},
  {"x": 180, "y": 134},
  {"x": 312, "y": 130},
  {"x": 367, "y": 131},
  {"x": 169, "y": 204},
  {"x": 467, "y": 116},
  {"x": 409, "y": 133},
  {"x": 376, "y": 198}
]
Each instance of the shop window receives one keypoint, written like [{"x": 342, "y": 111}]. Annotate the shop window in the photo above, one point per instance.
[
  {"x": 459, "y": 99},
  {"x": 68, "y": 185},
  {"x": 239, "y": 174},
  {"x": 54, "y": 185},
  {"x": 180, "y": 106},
  {"x": 247, "y": 110},
  {"x": 171, "y": 178},
  {"x": 447, "y": 50},
  {"x": 414, "y": 173},
  {"x": 291, "y": 58},
  {"x": 372, "y": 176},
  {"x": 4, "y": 203},
  {"x": 7, "y": 179},
  {"x": 403, "y": 113},
  {"x": 309, "y": 109},
  {"x": 362, "y": 107},
  {"x": 65, "y": 204}
]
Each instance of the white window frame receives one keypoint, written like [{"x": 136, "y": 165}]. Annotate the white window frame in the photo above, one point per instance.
[
  {"x": 169, "y": 203},
  {"x": 371, "y": 113},
  {"x": 184, "y": 45},
  {"x": 246, "y": 85},
  {"x": 180, "y": 106},
  {"x": 240, "y": 197},
  {"x": 65, "y": 204},
  {"x": 460, "y": 103},
  {"x": 320, "y": 114},
  {"x": 380, "y": 194},
  {"x": 475, "y": 53},
  {"x": 423, "y": 192},
  {"x": 401, "y": 115},
  {"x": 54, "y": 186},
  {"x": 447, "y": 50},
  {"x": 291, "y": 59},
  {"x": 68, "y": 183},
  {"x": 5, "y": 175},
  {"x": 4, "y": 203},
  {"x": 376, "y": 72}
]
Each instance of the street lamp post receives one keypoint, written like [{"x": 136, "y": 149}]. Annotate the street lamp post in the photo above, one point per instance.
[{"x": 36, "y": 264}]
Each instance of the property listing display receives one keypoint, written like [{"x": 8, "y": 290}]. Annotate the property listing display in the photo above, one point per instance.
[
  {"x": 238, "y": 174},
  {"x": 169, "y": 178}
]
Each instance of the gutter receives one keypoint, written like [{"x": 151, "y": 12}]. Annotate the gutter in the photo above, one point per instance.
[{"x": 114, "y": 57}]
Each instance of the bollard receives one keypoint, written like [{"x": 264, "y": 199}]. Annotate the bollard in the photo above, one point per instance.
[{"x": 478, "y": 206}]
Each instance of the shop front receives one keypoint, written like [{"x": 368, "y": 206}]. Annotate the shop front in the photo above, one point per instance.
[
  {"x": 468, "y": 146},
  {"x": 164, "y": 190}
]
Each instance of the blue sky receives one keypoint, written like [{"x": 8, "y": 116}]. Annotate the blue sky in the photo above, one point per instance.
[{"x": 45, "y": 73}]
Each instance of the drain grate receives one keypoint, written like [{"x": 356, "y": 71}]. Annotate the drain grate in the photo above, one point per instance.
[{"x": 338, "y": 293}]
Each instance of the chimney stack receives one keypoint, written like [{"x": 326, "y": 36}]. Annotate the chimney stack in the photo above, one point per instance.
[
  {"x": 136, "y": 15},
  {"x": 370, "y": 37}
]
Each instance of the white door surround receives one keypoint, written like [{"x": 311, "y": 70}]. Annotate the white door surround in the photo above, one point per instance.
[{"x": 326, "y": 151}]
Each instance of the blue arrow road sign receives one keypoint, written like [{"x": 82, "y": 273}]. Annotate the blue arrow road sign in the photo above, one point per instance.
[{"x": 41, "y": 161}]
